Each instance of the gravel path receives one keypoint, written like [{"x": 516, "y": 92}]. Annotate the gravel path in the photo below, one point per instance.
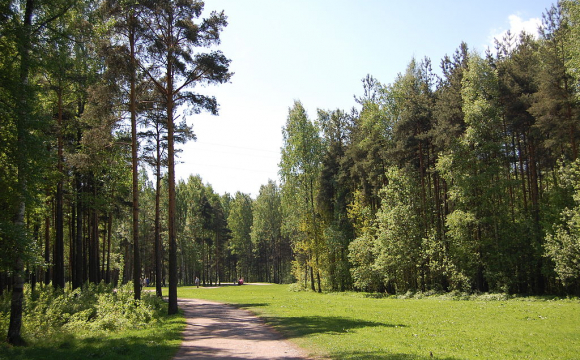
[{"x": 220, "y": 331}]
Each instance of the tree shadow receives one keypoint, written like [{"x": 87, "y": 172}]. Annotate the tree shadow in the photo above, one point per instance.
[
  {"x": 248, "y": 306},
  {"x": 297, "y": 326},
  {"x": 94, "y": 348},
  {"x": 385, "y": 356}
]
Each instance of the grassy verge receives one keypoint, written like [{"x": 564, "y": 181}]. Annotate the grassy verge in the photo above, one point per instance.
[
  {"x": 355, "y": 326},
  {"x": 113, "y": 331}
]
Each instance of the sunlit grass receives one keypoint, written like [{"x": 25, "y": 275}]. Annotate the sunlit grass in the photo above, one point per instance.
[{"x": 355, "y": 326}]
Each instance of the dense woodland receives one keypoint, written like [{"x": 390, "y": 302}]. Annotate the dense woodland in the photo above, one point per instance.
[{"x": 464, "y": 178}]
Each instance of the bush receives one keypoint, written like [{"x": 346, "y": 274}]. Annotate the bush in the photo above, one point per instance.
[{"x": 88, "y": 309}]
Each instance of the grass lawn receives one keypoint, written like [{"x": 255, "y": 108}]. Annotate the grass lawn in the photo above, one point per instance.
[
  {"x": 158, "y": 342},
  {"x": 355, "y": 326}
]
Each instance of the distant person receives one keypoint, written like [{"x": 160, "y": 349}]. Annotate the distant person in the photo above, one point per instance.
[
  {"x": 241, "y": 281},
  {"x": 147, "y": 282},
  {"x": 196, "y": 281}
]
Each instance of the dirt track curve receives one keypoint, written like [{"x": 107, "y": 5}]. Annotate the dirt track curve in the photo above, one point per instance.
[{"x": 220, "y": 331}]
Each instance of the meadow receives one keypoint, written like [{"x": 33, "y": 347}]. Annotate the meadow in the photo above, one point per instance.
[
  {"x": 330, "y": 325},
  {"x": 363, "y": 326}
]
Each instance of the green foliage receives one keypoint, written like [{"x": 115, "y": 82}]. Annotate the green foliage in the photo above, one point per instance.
[
  {"x": 563, "y": 244},
  {"x": 240, "y": 224},
  {"x": 299, "y": 171},
  {"x": 399, "y": 232},
  {"x": 555, "y": 102},
  {"x": 159, "y": 342},
  {"x": 361, "y": 253},
  {"x": 92, "y": 308},
  {"x": 271, "y": 249},
  {"x": 572, "y": 8},
  {"x": 473, "y": 167},
  {"x": 362, "y": 256},
  {"x": 333, "y": 196},
  {"x": 201, "y": 230}
]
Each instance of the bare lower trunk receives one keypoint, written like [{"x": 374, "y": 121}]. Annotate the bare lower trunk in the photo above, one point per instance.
[
  {"x": 58, "y": 256},
  {"x": 78, "y": 274},
  {"x": 133, "y": 111},
  {"x": 172, "y": 308},
  {"x": 14, "y": 337},
  {"x": 158, "y": 250},
  {"x": 15, "y": 325},
  {"x": 312, "y": 285},
  {"x": 108, "y": 270}
]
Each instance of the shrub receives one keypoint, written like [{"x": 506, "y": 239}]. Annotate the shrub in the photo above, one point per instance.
[{"x": 48, "y": 311}]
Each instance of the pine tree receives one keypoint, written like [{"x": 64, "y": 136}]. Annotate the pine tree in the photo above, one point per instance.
[{"x": 173, "y": 67}]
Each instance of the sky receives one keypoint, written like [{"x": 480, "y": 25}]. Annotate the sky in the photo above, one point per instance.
[{"x": 317, "y": 52}]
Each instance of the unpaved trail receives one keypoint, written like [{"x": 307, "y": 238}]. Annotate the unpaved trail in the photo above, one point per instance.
[{"x": 220, "y": 331}]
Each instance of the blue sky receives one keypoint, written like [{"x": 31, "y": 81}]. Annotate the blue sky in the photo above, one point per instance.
[{"x": 317, "y": 51}]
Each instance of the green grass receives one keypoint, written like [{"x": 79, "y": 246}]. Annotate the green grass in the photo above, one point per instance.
[
  {"x": 355, "y": 326},
  {"x": 158, "y": 342}
]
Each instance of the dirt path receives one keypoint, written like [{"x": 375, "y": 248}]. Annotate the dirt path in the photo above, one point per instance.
[{"x": 219, "y": 331}]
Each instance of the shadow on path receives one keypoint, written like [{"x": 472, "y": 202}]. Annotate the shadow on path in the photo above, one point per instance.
[{"x": 219, "y": 331}]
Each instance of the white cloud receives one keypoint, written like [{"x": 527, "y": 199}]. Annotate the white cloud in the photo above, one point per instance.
[{"x": 517, "y": 25}]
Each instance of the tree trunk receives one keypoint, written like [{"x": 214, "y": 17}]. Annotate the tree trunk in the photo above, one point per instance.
[
  {"x": 133, "y": 111},
  {"x": 93, "y": 230},
  {"x": 94, "y": 244},
  {"x": 158, "y": 250},
  {"x": 104, "y": 249},
  {"x": 14, "y": 337},
  {"x": 312, "y": 284},
  {"x": 217, "y": 263},
  {"x": 78, "y": 255},
  {"x": 58, "y": 256},
  {"x": 108, "y": 271},
  {"x": 47, "y": 246},
  {"x": 172, "y": 308},
  {"x": 86, "y": 240},
  {"x": 15, "y": 325}
]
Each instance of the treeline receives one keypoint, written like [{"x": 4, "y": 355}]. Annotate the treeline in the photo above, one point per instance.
[
  {"x": 467, "y": 180},
  {"x": 221, "y": 238}
]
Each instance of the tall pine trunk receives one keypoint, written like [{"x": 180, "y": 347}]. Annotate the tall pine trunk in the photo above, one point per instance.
[
  {"x": 14, "y": 337},
  {"x": 172, "y": 308},
  {"x": 133, "y": 111},
  {"x": 93, "y": 250},
  {"x": 58, "y": 255},
  {"x": 78, "y": 276},
  {"x": 108, "y": 270},
  {"x": 47, "y": 245},
  {"x": 158, "y": 249}
]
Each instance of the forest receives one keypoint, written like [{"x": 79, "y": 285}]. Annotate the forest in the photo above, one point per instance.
[{"x": 465, "y": 178}]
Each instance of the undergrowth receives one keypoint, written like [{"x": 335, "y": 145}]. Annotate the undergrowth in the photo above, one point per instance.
[
  {"x": 92, "y": 308},
  {"x": 441, "y": 295}
]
